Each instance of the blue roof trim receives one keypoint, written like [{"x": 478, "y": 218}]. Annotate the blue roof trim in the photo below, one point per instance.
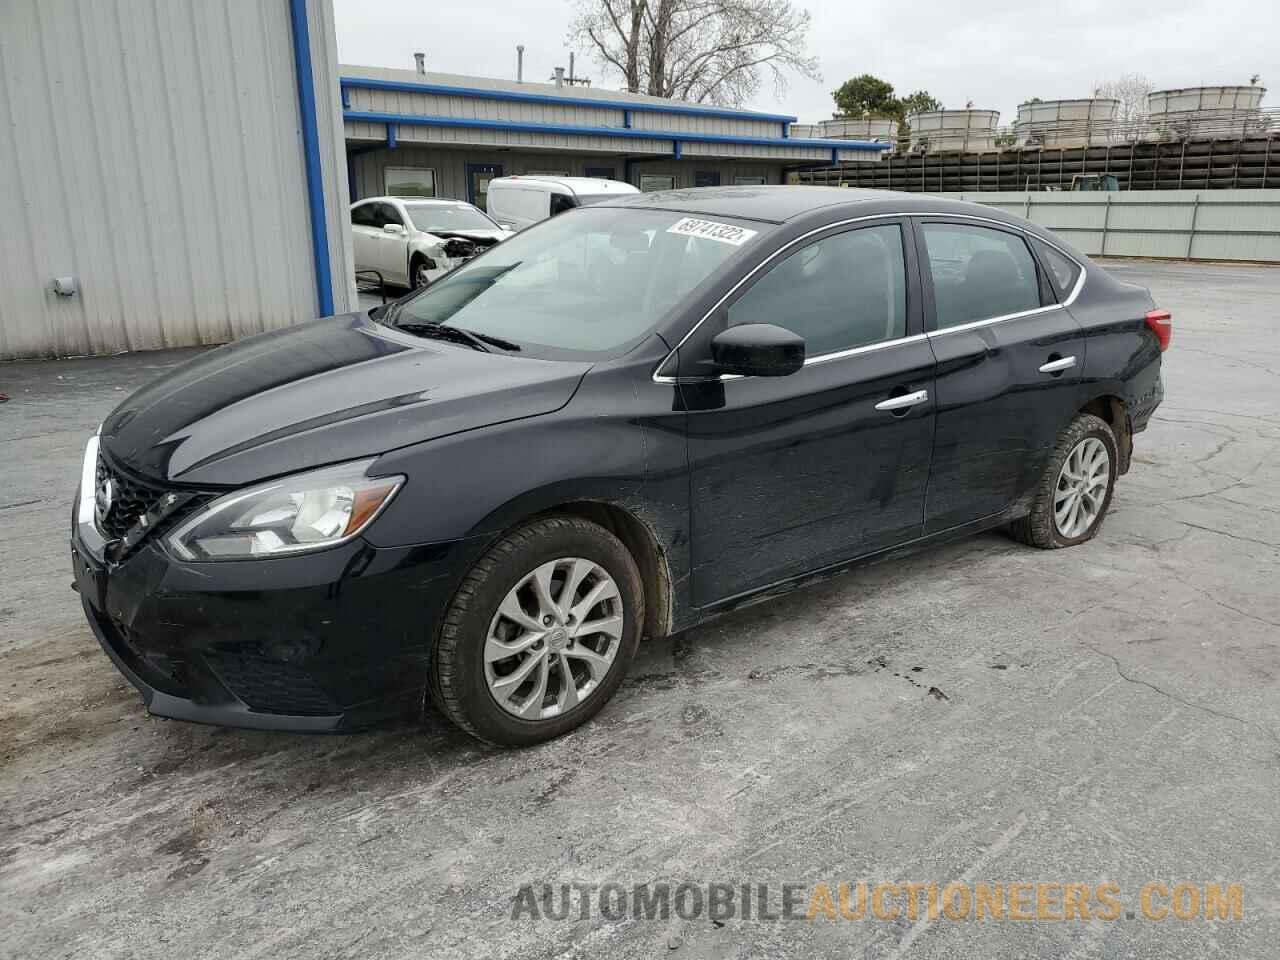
[
  {"x": 440, "y": 89},
  {"x": 629, "y": 133}
]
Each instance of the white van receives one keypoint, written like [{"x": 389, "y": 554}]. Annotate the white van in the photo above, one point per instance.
[{"x": 517, "y": 202}]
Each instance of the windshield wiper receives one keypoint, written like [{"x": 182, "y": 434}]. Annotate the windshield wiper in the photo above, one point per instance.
[
  {"x": 471, "y": 338},
  {"x": 436, "y": 331},
  {"x": 491, "y": 340}
]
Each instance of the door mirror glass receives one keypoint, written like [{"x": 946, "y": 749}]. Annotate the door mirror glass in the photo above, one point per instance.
[{"x": 757, "y": 350}]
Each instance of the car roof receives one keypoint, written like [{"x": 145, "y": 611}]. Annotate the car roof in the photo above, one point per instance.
[
  {"x": 780, "y": 203},
  {"x": 572, "y": 184},
  {"x": 438, "y": 201}
]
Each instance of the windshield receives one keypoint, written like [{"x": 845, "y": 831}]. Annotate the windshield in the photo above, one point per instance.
[
  {"x": 434, "y": 217},
  {"x": 588, "y": 281}
]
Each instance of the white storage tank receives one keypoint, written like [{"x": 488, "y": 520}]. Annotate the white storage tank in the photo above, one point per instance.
[
  {"x": 849, "y": 128},
  {"x": 1065, "y": 123},
  {"x": 939, "y": 130},
  {"x": 1206, "y": 112}
]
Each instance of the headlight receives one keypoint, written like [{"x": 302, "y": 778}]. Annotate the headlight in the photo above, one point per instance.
[
  {"x": 88, "y": 481},
  {"x": 309, "y": 511}
]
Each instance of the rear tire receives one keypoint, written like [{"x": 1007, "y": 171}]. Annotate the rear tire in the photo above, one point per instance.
[
  {"x": 1074, "y": 493},
  {"x": 531, "y": 594}
]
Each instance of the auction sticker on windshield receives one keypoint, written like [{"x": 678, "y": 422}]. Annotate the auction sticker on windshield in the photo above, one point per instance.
[{"x": 711, "y": 230}]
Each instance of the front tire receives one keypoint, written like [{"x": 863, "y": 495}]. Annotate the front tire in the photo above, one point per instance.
[
  {"x": 540, "y": 633},
  {"x": 1074, "y": 493},
  {"x": 418, "y": 274}
]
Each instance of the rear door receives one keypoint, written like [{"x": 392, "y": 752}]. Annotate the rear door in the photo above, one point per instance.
[
  {"x": 1009, "y": 363},
  {"x": 790, "y": 474}
]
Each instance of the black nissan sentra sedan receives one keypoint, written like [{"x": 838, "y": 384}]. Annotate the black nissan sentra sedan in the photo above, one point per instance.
[{"x": 618, "y": 423}]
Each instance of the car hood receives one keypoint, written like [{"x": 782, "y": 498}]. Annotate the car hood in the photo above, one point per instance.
[
  {"x": 321, "y": 392},
  {"x": 479, "y": 239}
]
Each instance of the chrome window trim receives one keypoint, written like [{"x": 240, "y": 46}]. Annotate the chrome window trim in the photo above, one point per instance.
[
  {"x": 840, "y": 354},
  {"x": 866, "y": 348},
  {"x": 974, "y": 324},
  {"x": 808, "y": 361}
]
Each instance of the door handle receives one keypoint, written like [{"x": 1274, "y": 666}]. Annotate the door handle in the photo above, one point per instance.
[
  {"x": 904, "y": 401},
  {"x": 1057, "y": 366}
]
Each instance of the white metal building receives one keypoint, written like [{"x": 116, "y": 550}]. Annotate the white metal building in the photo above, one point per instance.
[
  {"x": 447, "y": 135},
  {"x": 180, "y": 162}
]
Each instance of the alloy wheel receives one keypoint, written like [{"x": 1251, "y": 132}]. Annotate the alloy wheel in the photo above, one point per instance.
[
  {"x": 420, "y": 276},
  {"x": 1081, "y": 490},
  {"x": 554, "y": 638}
]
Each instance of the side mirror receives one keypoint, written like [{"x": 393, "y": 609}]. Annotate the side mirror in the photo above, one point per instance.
[
  {"x": 758, "y": 350},
  {"x": 392, "y": 228}
]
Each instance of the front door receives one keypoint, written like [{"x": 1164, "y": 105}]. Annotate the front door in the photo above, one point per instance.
[
  {"x": 790, "y": 474},
  {"x": 478, "y": 177},
  {"x": 391, "y": 249},
  {"x": 364, "y": 235},
  {"x": 1009, "y": 365}
]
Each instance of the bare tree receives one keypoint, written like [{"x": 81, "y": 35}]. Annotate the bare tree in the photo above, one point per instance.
[
  {"x": 706, "y": 51},
  {"x": 1131, "y": 90}
]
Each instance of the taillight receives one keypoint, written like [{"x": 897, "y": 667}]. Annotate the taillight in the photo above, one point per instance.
[{"x": 1161, "y": 324}]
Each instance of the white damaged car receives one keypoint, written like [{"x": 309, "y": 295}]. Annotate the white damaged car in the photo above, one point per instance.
[{"x": 412, "y": 241}]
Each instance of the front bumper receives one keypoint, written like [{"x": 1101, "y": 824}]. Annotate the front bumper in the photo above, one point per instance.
[{"x": 330, "y": 641}]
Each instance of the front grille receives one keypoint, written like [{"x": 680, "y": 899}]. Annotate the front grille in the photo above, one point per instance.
[
  {"x": 270, "y": 685},
  {"x": 119, "y": 501}
]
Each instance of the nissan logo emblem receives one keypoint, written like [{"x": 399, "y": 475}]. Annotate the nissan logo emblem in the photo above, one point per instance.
[{"x": 105, "y": 496}]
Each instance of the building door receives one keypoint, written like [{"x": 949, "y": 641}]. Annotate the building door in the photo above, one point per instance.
[
  {"x": 478, "y": 177},
  {"x": 706, "y": 178}
]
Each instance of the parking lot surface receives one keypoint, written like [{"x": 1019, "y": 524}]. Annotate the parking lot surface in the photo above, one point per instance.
[{"x": 983, "y": 712}]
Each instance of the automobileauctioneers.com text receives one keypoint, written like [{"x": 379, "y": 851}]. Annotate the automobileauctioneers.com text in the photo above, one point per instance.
[{"x": 838, "y": 902}]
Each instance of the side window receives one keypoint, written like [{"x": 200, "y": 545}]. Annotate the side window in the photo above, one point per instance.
[
  {"x": 560, "y": 202},
  {"x": 1063, "y": 271},
  {"x": 847, "y": 290},
  {"x": 388, "y": 214},
  {"x": 362, "y": 215},
  {"x": 979, "y": 273}
]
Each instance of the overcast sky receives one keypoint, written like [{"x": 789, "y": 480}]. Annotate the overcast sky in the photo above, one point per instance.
[{"x": 996, "y": 54}]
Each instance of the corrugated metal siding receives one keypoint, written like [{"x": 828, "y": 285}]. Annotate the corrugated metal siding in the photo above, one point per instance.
[
  {"x": 684, "y": 123},
  {"x": 501, "y": 138},
  {"x": 1210, "y": 225},
  {"x": 451, "y": 178},
  {"x": 154, "y": 152}
]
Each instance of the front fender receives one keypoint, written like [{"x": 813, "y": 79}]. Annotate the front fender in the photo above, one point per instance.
[{"x": 485, "y": 480}]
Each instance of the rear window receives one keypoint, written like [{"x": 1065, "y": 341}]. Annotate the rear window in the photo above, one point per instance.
[
  {"x": 978, "y": 273},
  {"x": 1063, "y": 271}
]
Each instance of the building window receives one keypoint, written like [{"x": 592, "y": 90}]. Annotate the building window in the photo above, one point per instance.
[
  {"x": 706, "y": 178},
  {"x": 547, "y": 173},
  {"x": 749, "y": 181},
  {"x": 656, "y": 181},
  {"x": 601, "y": 173},
  {"x": 409, "y": 182}
]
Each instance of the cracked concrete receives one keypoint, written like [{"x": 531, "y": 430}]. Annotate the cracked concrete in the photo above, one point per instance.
[{"x": 1105, "y": 713}]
